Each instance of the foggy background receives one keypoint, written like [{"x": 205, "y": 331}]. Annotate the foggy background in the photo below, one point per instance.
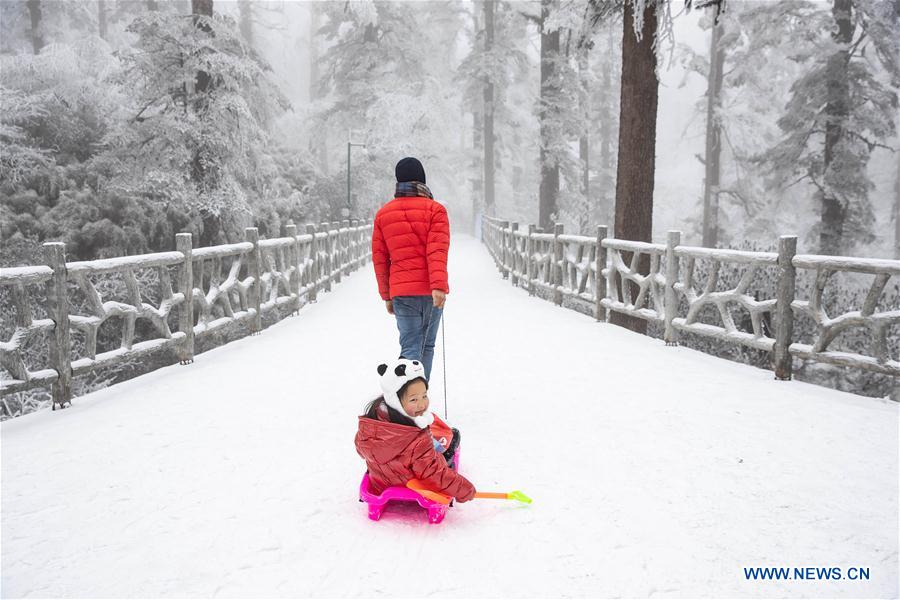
[{"x": 98, "y": 138}]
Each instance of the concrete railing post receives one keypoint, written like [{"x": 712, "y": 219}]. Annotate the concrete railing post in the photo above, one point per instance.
[
  {"x": 673, "y": 239},
  {"x": 556, "y": 266},
  {"x": 784, "y": 314},
  {"x": 514, "y": 254},
  {"x": 529, "y": 266},
  {"x": 254, "y": 269},
  {"x": 293, "y": 257},
  {"x": 336, "y": 266},
  {"x": 504, "y": 251},
  {"x": 498, "y": 244},
  {"x": 325, "y": 268},
  {"x": 58, "y": 311},
  {"x": 345, "y": 247},
  {"x": 314, "y": 265},
  {"x": 355, "y": 244},
  {"x": 184, "y": 244},
  {"x": 495, "y": 244},
  {"x": 599, "y": 278},
  {"x": 492, "y": 240}
]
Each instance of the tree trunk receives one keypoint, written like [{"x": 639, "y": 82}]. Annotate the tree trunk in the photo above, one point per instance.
[
  {"x": 101, "y": 18},
  {"x": 489, "y": 113},
  {"x": 477, "y": 169},
  {"x": 313, "y": 52},
  {"x": 477, "y": 141},
  {"x": 584, "y": 215},
  {"x": 201, "y": 176},
  {"x": 317, "y": 144},
  {"x": 245, "y": 12},
  {"x": 201, "y": 8},
  {"x": 37, "y": 33},
  {"x": 202, "y": 80},
  {"x": 837, "y": 109},
  {"x": 549, "y": 189},
  {"x": 637, "y": 142},
  {"x": 713, "y": 139},
  {"x": 606, "y": 134},
  {"x": 370, "y": 36},
  {"x": 897, "y": 211}
]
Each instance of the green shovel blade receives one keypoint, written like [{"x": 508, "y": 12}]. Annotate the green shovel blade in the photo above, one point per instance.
[{"x": 517, "y": 495}]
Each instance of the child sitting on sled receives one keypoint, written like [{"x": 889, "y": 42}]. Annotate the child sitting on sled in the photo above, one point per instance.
[{"x": 401, "y": 439}]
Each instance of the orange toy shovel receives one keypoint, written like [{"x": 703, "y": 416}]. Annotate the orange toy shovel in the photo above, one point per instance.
[{"x": 418, "y": 486}]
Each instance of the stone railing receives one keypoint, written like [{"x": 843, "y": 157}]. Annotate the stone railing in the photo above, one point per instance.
[
  {"x": 657, "y": 283},
  {"x": 225, "y": 284}
]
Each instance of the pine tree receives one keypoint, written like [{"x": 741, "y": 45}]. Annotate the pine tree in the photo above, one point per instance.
[
  {"x": 101, "y": 19},
  {"x": 713, "y": 151},
  {"x": 607, "y": 119},
  {"x": 37, "y": 33},
  {"x": 838, "y": 112},
  {"x": 489, "y": 112},
  {"x": 196, "y": 131},
  {"x": 388, "y": 87},
  {"x": 492, "y": 67},
  {"x": 245, "y": 10},
  {"x": 897, "y": 210}
]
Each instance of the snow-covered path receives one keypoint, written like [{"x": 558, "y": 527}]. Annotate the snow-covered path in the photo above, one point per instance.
[{"x": 655, "y": 471}]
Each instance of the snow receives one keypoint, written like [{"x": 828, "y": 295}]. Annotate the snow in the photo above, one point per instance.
[
  {"x": 846, "y": 263},
  {"x": 221, "y": 251},
  {"x": 25, "y": 275},
  {"x": 720, "y": 254},
  {"x": 140, "y": 261},
  {"x": 654, "y": 470}
]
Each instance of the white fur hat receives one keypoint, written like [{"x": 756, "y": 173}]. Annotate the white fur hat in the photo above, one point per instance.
[{"x": 395, "y": 377}]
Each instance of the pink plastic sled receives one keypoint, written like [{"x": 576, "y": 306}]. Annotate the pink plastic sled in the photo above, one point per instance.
[{"x": 376, "y": 503}]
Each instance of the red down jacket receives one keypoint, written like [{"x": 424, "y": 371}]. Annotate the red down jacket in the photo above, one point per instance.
[
  {"x": 396, "y": 453},
  {"x": 410, "y": 241}
]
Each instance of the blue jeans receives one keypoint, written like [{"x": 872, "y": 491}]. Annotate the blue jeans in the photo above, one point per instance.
[{"x": 418, "y": 321}]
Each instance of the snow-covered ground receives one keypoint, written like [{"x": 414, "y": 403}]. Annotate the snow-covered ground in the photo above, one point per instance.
[{"x": 655, "y": 471}]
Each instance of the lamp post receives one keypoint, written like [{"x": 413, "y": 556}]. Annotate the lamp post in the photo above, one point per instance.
[{"x": 350, "y": 144}]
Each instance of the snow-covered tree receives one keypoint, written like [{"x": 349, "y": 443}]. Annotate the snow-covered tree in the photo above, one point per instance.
[
  {"x": 56, "y": 108},
  {"x": 606, "y": 64},
  {"x": 390, "y": 88},
  {"x": 839, "y": 111},
  {"x": 739, "y": 199},
  {"x": 564, "y": 110},
  {"x": 195, "y": 130},
  {"x": 494, "y": 64}
]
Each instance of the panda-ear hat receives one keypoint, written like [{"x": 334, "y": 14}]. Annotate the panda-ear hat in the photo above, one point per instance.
[{"x": 394, "y": 377}]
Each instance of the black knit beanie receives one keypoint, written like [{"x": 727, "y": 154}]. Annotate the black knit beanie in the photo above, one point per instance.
[{"x": 410, "y": 169}]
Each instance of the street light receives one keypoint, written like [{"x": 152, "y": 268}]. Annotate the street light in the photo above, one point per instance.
[{"x": 350, "y": 144}]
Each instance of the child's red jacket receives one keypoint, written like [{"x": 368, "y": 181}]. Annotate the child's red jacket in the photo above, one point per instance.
[
  {"x": 396, "y": 453},
  {"x": 410, "y": 242}
]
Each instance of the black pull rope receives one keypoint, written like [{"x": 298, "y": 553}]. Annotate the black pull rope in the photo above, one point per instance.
[{"x": 444, "y": 357}]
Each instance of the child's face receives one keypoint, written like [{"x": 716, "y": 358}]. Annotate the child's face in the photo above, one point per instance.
[{"x": 415, "y": 400}]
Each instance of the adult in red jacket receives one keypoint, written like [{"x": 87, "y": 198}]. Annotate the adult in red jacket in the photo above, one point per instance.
[{"x": 410, "y": 242}]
